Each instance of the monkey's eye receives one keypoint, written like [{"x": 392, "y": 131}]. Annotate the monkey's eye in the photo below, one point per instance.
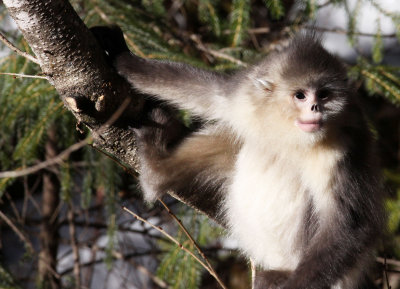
[
  {"x": 323, "y": 94},
  {"x": 300, "y": 95}
]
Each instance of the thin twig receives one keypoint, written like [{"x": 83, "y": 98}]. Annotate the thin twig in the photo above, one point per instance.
[
  {"x": 23, "y": 238},
  {"x": 162, "y": 231},
  {"x": 29, "y": 193},
  {"x": 214, "y": 53},
  {"x": 132, "y": 44},
  {"x": 23, "y": 75},
  {"x": 17, "y": 231},
  {"x": 89, "y": 273},
  {"x": 99, "y": 260},
  {"x": 161, "y": 283},
  {"x": 24, "y": 208},
  {"x": 114, "y": 117},
  {"x": 386, "y": 274},
  {"x": 50, "y": 269},
  {"x": 14, "y": 208},
  {"x": 255, "y": 41},
  {"x": 388, "y": 261},
  {"x": 135, "y": 48},
  {"x": 27, "y": 242},
  {"x": 344, "y": 31},
  {"x": 192, "y": 241},
  {"x": 259, "y": 30},
  {"x": 103, "y": 15},
  {"x": 57, "y": 160},
  {"x": 253, "y": 273},
  {"x": 17, "y": 50},
  {"x": 74, "y": 245},
  {"x": 56, "y": 213}
]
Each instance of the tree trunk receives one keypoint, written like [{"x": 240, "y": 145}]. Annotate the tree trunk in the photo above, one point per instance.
[{"x": 75, "y": 64}]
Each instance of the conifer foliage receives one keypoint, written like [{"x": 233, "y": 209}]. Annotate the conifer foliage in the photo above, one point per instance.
[{"x": 63, "y": 226}]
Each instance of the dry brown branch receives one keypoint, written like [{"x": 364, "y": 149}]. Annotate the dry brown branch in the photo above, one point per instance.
[
  {"x": 14, "y": 207},
  {"x": 17, "y": 231},
  {"x": 52, "y": 271},
  {"x": 143, "y": 270},
  {"x": 28, "y": 197},
  {"x": 385, "y": 271},
  {"x": 102, "y": 260},
  {"x": 17, "y": 50},
  {"x": 388, "y": 261},
  {"x": 90, "y": 272},
  {"x": 215, "y": 53},
  {"x": 57, "y": 160},
  {"x": 23, "y": 75},
  {"x": 344, "y": 31},
  {"x": 74, "y": 246},
  {"x": 162, "y": 231},
  {"x": 260, "y": 30},
  {"x": 179, "y": 222},
  {"x": 253, "y": 273},
  {"x": 106, "y": 19}
]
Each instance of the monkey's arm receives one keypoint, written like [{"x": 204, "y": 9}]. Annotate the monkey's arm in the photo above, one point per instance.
[
  {"x": 200, "y": 91},
  {"x": 204, "y": 93}
]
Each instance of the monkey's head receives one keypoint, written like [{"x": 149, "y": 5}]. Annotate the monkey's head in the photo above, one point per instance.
[{"x": 305, "y": 88}]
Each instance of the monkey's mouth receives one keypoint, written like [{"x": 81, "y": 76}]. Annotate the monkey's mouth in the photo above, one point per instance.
[{"x": 308, "y": 125}]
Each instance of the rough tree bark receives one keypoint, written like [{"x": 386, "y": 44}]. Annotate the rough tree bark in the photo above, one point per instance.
[{"x": 75, "y": 65}]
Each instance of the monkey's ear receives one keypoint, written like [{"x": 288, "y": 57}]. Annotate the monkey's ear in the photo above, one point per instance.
[{"x": 263, "y": 84}]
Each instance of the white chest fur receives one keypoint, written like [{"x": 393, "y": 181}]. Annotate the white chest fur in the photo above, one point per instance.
[{"x": 268, "y": 200}]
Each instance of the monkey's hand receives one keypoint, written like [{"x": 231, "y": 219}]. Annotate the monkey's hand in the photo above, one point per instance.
[
  {"x": 271, "y": 279},
  {"x": 111, "y": 39},
  {"x": 160, "y": 132}
]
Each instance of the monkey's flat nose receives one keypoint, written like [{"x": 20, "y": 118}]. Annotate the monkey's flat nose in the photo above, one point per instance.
[{"x": 315, "y": 107}]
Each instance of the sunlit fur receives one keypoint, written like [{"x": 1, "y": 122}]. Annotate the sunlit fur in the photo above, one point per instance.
[
  {"x": 305, "y": 206},
  {"x": 281, "y": 168}
]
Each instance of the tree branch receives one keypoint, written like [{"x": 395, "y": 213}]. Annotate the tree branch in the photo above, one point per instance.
[
  {"x": 73, "y": 62},
  {"x": 89, "y": 86},
  {"x": 19, "y": 233},
  {"x": 162, "y": 231},
  {"x": 18, "y": 51}
]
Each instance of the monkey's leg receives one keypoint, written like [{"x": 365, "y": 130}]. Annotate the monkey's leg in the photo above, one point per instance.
[{"x": 270, "y": 279}]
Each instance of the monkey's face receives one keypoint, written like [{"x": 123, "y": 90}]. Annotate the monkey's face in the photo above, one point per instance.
[
  {"x": 316, "y": 108},
  {"x": 302, "y": 91},
  {"x": 315, "y": 89},
  {"x": 305, "y": 107},
  {"x": 301, "y": 107}
]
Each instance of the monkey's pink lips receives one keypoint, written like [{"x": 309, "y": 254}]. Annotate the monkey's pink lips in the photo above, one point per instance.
[{"x": 308, "y": 125}]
